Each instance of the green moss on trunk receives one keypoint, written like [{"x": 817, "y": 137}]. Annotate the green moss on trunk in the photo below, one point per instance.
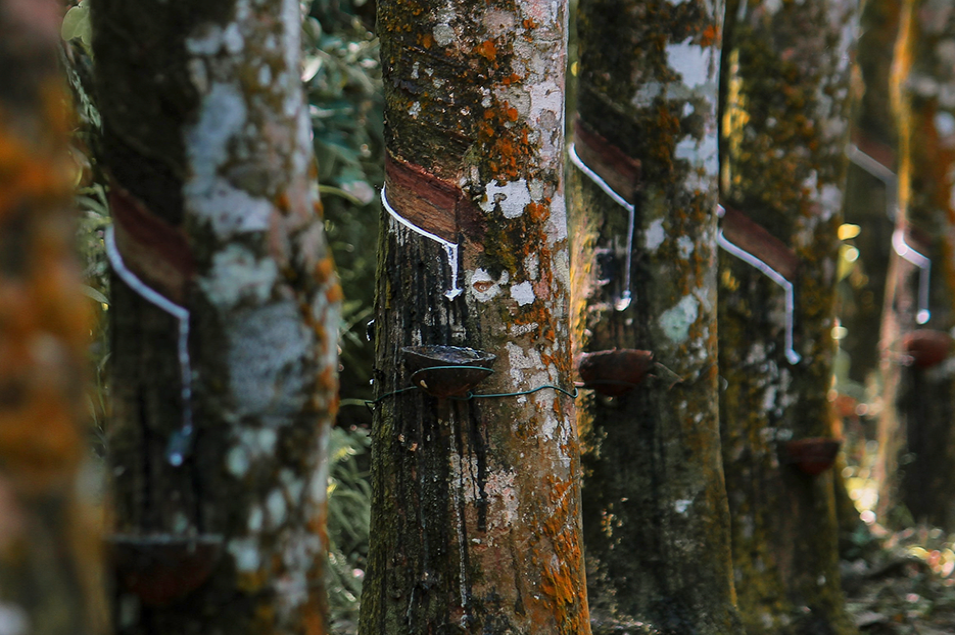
[
  {"x": 475, "y": 521},
  {"x": 785, "y": 127},
  {"x": 655, "y": 516}
]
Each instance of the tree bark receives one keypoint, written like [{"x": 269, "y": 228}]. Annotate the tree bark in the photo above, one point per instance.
[
  {"x": 870, "y": 201},
  {"x": 50, "y": 568},
  {"x": 475, "y": 522},
  {"x": 920, "y": 440},
  {"x": 218, "y": 451},
  {"x": 784, "y": 128},
  {"x": 655, "y": 514}
]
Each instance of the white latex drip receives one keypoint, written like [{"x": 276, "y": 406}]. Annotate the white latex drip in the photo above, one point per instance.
[
  {"x": 879, "y": 171},
  {"x": 450, "y": 248},
  {"x": 791, "y": 355},
  {"x": 179, "y": 443},
  {"x": 905, "y": 251},
  {"x": 626, "y": 297}
]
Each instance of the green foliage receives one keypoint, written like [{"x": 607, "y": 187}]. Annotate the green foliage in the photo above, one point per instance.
[
  {"x": 349, "y": 514},
  {"x": 343, "y": 80},
  {"x": 77, "y": 25},
  {"x": 92, "y": 220}
]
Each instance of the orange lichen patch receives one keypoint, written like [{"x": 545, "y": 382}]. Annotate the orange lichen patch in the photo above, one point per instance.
[
  {"x": 324, "y": 270},
  {"x": 538, "y": 212},
  {"x": 334, "y": 293},
  {"x": 426, "y": 40},
  {"x": 44, "y": 319},
  {"x": 513, "y": 78},
  {"x": 319, "y": 208},
  {"x": 281, "y": 202},
  {"x": 40, "y": 445},
  {"x": 708, "y": 36},
  {"x": 327, "y": 380},
  {"x": 507, "y": 149},
  {"x": 313, "y": 620},
  {"x": 487, "y": 50},
  {"x": 529, "y": 23}
]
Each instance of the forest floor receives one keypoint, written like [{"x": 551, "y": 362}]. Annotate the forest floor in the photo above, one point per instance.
[
  {"x": 904, "y": 585},
  {"x": 897, "y": 582}
]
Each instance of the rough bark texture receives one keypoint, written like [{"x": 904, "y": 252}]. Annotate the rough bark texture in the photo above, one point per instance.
[
  {"x": 206, "y": 135},
  {"x": 918, "y": 435},
  {"x": 50, "y": 572},
  {"x": 785, "y": 127},
  {"x": 655, "y": 516},
  {"x": 475, "y": 524}
]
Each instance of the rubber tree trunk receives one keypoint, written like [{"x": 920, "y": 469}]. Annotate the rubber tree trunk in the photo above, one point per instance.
[
  {"x": 50, "y": 569},
  {"x": 655, "y": 514},
  {"x": 785, "y": 129},
  {"x": 920, "y": 440},
  {"x": 870, "y": 202},
  {"x": 218, "y": 449},
  {"x": 475, "y": 521}
]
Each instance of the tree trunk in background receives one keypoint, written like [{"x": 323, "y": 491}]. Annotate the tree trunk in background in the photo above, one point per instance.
[
  {"x": 869, "y": 202},
  {"x": 207, "y": 138},
  {"x": 785, "y": 128},
  {"x": 655, "y": 516},
  {"x": 918, "y": 435},
  {"x": 475, "y": 522},
  {"x": 50, "y": 570}
]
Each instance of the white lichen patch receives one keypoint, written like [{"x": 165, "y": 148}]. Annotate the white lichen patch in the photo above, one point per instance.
[
  {"x": 691, "y": 61},
  {"x": 245, "y": 553},
  {"x": 517, "y": 330},
  {"x": 255, "y": 521},
  {"x": 646, "y": 94},
  {"x": 702, "y": 153},
  {"x": 267, "y": 348},
  {"x": 483, "y": 286},
  {"x": 251, "y": 444},
  {"x": 654, "y": 235},
  {"x": 236, "y": 274},
  {"x": 512, "y": 197},
  {"x": 294, "y": 486},
  {"x": 556, "y": 227},
  {"x": 443, "y": 34},
  {"x": 14, "y": 620},
  {"x": 532, "y": 265},
  {"x": 520, "y": 361},
  {"x": 415, "y": 109},
  {"x": 222, "y": 115},
  {"x": 291, "y": 18},
  {"x": 228, "y": 210},
  {"x": 830, "y": 199},
  {"x": 238, "y": 461},
  {"x": 681, "y": 506},
  {"x": 208, "y": 41},
  {"x": 523, "y": 293},
  {"x": 502, "y": 489},
  {"x": 232, "y": 39},
  {"x": 562, "y": 267},
  {"x": 276, "y": 508},
  {"x": 684, "y": 246},
  {"x": 676, "y": 321}
]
